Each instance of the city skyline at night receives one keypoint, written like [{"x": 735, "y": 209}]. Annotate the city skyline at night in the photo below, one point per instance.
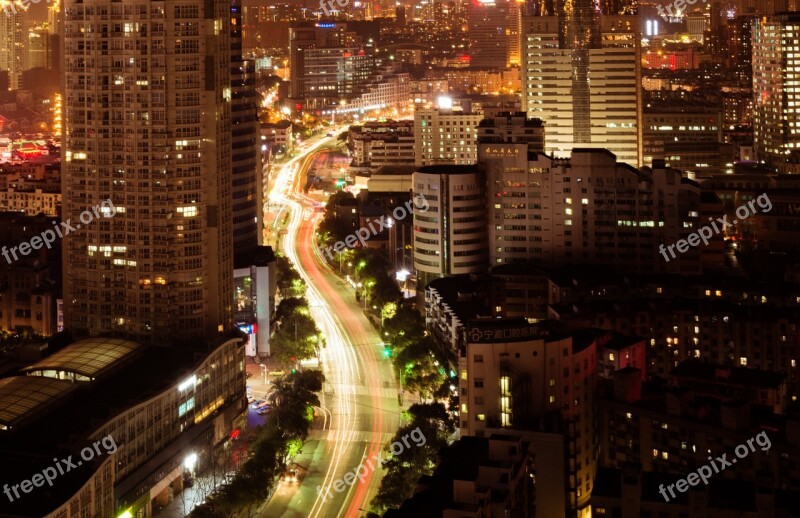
[{"x": 381, "y": 259}]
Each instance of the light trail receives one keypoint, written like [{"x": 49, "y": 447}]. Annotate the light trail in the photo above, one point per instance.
[{"x": 357, "y": 429}]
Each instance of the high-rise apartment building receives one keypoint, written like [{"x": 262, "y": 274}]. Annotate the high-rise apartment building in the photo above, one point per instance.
[
  {"x": 588, "y": 209},
  {"x": 776, "y": 88},
  {"x": 505, "y": 145},
  {"x": 246, "y": 141},
  {"x": 449, "y": 237},
  {"x": 147, "y": 124},
  {"x": 446, "y": 136},
  {"x": 581, "y": 74},
  {"x": 519, "y": 376},
  {"x": 13, "y": 40}
]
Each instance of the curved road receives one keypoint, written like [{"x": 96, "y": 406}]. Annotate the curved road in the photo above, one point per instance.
[{"x": 359, "y": 410}]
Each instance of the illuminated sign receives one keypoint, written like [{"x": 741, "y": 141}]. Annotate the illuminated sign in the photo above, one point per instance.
[
  {"x": 326, "y": 25},
  {"x": 502, "y": 151},
  {"x": 246, "y": 328},
  {"x": 479, "y": 335}
]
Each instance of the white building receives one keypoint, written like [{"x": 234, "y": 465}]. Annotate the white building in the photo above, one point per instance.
[
  {"x": 377, "y": 144},
  {"x": 588, "y": 97},
  {"x": 446, "y": 136},
  {"x": 450, "y": 237}
]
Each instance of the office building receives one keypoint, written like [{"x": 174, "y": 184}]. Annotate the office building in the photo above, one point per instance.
[
  {"x": 776, "y": 111},
  {"x": 446, "y": 136},
  {"x": 334, "y": 68},
  {"x": 579, "y": 112},
  {"x": 517, "y": 376},
  {"x": 506, "y": 143},
  {"x": 450, "y": 237},
  {"x": 377, "y": 144},
  {"x": 591, "y": 209},
  {"x": 153, "y": 136},
  {"x": 246, "y": 142},
  {"x": 677, "y": 124},
  {"x": 162, "y": 413}
]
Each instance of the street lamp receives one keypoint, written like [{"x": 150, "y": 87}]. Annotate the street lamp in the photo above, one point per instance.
[
  {"x": 358, "y": 269},
  {"x": 264, "y": 372}
]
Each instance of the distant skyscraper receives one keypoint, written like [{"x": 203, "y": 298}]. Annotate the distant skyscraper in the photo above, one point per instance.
[
  {"x": 147, "y": 114},
  {"x": 246, "y": 141},
  {"x": 776, "y": 95},
  {"x": 581, "y": 74},
  {"x": 491, "y": 31},
  {"x": 13, "y": 41}
]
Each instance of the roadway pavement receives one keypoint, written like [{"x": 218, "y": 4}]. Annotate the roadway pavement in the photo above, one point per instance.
[{"x": 359, "y": 407}]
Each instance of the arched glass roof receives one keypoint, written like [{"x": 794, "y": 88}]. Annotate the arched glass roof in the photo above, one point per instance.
[
  {"x": 21, "y": 395},
  {"x": 90, "y": 357}
]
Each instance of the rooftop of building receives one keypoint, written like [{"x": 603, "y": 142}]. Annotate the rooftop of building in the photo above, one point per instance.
[
  {"x": 282, "y": 124},
  {"x": 60, "y": 428},
  {"x": 723, "y": 493},
  {"x": 632, "y": 305},
  {"x": 461, "y": 461},
  {"x": 518, "y": 269},
  {"x": 397, "y": 170},
  {"x": 448, "y": 169},
  {"x": 729, "y": 375},
  {"x": 548, "y": 330},
  {"x": 91, "y": 358},
  {"x": 619, "y": 341},
  {"x": 260, "y": 256},
  {"x": 528, "y": 123}
]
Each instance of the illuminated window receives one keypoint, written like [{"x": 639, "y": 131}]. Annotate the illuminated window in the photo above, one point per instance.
[
  {"x": 188, "y": 212},
  {"x": 611, "y": 357},
  {"x": 185, "y": 407}
]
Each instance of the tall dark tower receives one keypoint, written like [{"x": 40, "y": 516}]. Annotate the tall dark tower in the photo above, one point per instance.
[{"x": 245, "y": 142}]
